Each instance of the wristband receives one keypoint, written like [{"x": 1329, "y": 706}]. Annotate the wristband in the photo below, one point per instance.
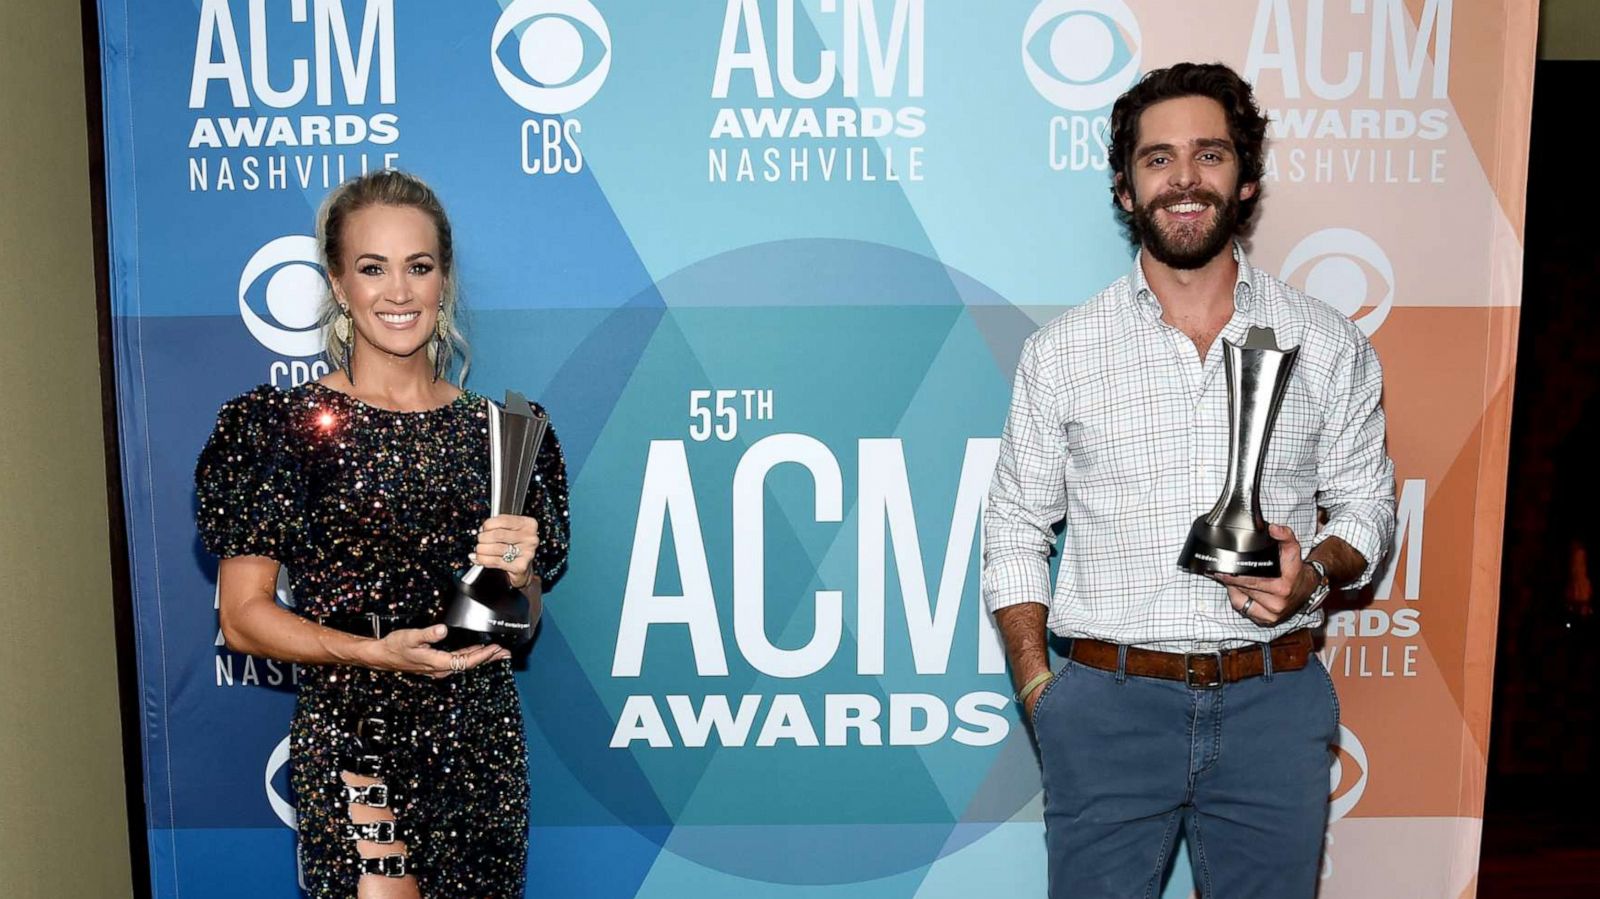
[{"x": 1038, "y": 680}]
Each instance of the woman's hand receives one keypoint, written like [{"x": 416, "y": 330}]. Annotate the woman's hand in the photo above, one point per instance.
[
  {"x": 411, "y": 650},
  {"x": 508, "y": 542}
]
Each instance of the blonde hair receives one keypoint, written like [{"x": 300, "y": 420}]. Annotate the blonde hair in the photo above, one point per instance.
[{"x": 389, "y": 187}]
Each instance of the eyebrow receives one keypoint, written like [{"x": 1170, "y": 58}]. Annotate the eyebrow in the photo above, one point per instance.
[
  {"x": 380, "y": 258},
  {"x": 1205, "y": 143}
]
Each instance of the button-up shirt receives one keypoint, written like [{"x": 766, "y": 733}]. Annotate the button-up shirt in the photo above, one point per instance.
[{"x": 1118, "y": 428}]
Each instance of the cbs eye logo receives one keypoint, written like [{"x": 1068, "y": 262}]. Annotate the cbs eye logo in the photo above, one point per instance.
[
  {"x": 284, "y": 279},
  {"x": 563, "y": 47},
  {"x": 277, "y": 773},
  {"x": 1337, "y": 265},
  {"x": 1081, "y": 54},
  {"x": 1343, "y": 795}
]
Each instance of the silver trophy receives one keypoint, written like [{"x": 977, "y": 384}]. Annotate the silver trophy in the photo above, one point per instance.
[
  {"x": 485, "y": 607},
  {"x": 1232, "y": 538}
]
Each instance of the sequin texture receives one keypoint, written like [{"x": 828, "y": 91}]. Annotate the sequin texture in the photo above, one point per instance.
[{"x": 372, "y": 510}]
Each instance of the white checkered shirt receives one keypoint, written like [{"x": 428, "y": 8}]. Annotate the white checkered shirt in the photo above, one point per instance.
[{"x": 1118, "y": 428}]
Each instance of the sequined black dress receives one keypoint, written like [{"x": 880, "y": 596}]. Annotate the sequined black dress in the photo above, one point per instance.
[{"x": 372, "y": 511}]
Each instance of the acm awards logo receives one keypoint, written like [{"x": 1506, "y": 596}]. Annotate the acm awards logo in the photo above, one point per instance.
[
  {"x": 562, "y": 49},
  {"x": 280, "y": 291},
  {"x": 1081, "y": 55},
  {"x": 791, "y": 112},
  {"x": 319, "y": 107},
  {"x": 1354, "y": 93},
  {"x": 1337, "y": 266}
]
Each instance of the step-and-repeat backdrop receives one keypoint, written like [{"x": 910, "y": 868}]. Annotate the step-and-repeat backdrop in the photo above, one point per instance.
[{"x": 770, "y": 263}]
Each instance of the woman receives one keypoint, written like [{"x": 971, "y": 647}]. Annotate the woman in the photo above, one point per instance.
[{"x": 371, "y": 485}]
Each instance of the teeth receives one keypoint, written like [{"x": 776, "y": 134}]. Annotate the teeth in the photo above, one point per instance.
[
  {"x": 1184, "y": 208},
  {"x": 398, "y": 317}
]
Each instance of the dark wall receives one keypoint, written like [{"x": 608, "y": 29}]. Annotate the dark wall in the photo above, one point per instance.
[{"x": 1547, "y": 676}]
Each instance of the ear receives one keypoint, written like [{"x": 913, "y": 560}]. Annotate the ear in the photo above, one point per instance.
[
  {"x": 1248, "y": 189},
  {"x": 1124, "y": 195}
]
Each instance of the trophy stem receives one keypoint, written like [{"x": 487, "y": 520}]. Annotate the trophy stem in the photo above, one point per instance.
[{"x": 497, "y": 464}]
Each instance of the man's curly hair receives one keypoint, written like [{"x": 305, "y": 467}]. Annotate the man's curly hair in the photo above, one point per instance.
[{"x": 1247, "y": 128}]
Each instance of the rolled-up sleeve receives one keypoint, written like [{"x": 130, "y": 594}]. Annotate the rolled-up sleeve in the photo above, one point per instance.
[
  {"x": 1027, "y": 495},
  {"x": 1355, "y": 472}
]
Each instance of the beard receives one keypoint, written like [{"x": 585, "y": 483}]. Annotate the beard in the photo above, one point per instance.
[{"x": 1186, "y": 246}]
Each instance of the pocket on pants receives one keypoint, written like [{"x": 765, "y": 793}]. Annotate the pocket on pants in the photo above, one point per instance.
[{"x": 1045, "y": 691}]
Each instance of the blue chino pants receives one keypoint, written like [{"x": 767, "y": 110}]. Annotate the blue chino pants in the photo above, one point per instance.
[{"x": 1131, "y": 762}]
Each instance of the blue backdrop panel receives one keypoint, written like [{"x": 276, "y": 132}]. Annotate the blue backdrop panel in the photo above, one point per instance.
[{"x": 768, "y": 271}]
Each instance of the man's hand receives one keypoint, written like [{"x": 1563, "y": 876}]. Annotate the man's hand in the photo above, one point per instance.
[{"x": 1267, "y": 601}]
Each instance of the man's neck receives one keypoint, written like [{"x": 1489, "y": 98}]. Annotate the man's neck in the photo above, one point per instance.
[
  {"x": 1198, "y": 302},
  {"x": 1193, "y": 294}
]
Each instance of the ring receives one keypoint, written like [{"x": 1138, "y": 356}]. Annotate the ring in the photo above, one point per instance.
[
  {"x": 456, "y": 664},
  {"x": 1245, "y": 609},
  {"x": 511, "y": 553}
]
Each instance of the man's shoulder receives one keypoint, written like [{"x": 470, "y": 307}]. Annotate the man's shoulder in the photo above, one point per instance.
[
  {"x": 1089, "y": 321},
  {"x": 1315, "y": 315}
]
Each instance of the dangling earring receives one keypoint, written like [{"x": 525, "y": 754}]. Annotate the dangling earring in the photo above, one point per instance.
[
  {"x": 344, "y": 331},
  {"x": 441, "y": 344}
]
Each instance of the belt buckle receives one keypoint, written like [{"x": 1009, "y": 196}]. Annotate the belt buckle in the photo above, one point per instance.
[
  {"x": 1190, "y": 675},
  {"x": 374, "y": 795},
  {"x": 373, "y": 732},
  {"x": 381, "y": 832},
  {"x": 369, "y": 765}
]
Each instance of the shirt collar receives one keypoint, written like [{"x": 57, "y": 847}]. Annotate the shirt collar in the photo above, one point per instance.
[{"x": 1144, "y": 299}]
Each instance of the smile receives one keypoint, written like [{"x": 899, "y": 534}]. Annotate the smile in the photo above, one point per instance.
[{"x": 399, "y": 318}]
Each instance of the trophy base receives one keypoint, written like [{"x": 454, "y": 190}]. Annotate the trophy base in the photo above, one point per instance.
[
  {"x": 1211, "y": 549},
  {"x": 487, "y": 611}
]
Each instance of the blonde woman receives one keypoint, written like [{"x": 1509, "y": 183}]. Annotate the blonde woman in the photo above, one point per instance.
[{"x": 408, "y": 762}]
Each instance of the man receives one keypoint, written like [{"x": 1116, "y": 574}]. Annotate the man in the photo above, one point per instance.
[{"x": 1188, "y": 703}]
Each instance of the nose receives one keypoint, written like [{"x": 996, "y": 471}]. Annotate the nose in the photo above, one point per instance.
[
  {"x": 1183, "y": 174},
  {"x": 398, "y": 290}
]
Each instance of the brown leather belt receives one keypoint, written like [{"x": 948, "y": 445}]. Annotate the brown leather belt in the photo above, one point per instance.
[{"x": 1200, "y": 670}]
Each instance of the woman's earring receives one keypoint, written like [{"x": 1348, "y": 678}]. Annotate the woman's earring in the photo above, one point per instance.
[
  {"x": 343, "y": 330},
  {"x": 441, "y": 346},
  {"x": 341, "y": 325}
]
